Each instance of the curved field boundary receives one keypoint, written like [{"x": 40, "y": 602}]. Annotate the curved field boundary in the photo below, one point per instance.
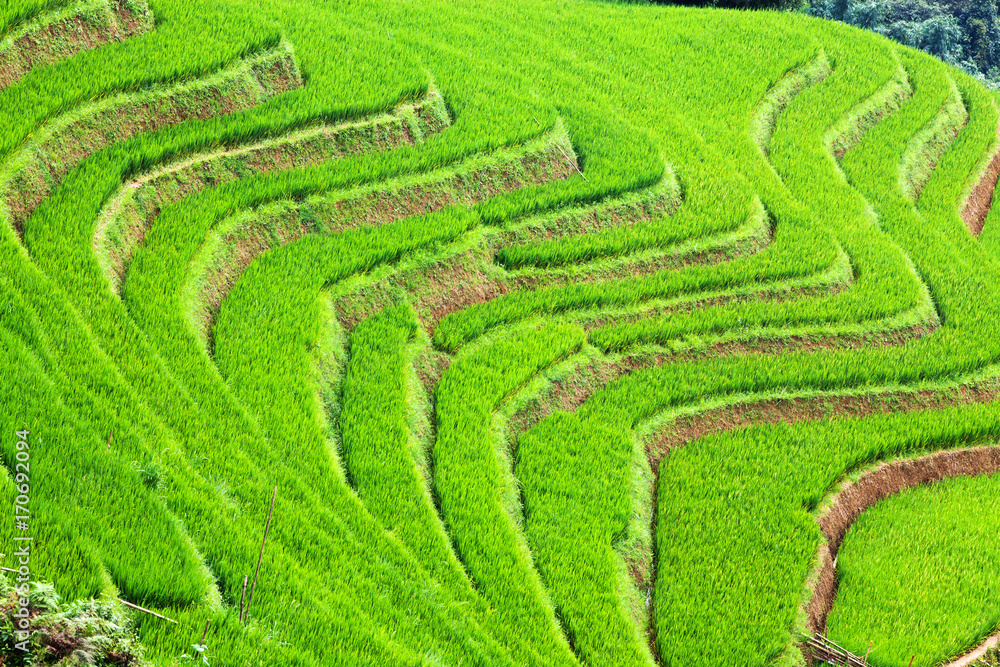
[
  {"x": 569, "y": 236},
  {"x": 279, "y": 232},
  {"x": 847, "y": 132},
  {"x": 926, "y": 147},
  {"x": 232, "y": 246},
  {"x": 660, "y": 200},
  {"x": 464, "y": 274},
  {"x": 934, "y": 218},
  {"x": 473, "y": 478},
  {"x": 875, "y": 115},
  {"x": 340, "y": 552},
  {"x": 573, "y": 390},
  {"x": 977, "y": 204},
  {"x": 238, "y": 348},
  {"x": 211, "y": 511},
  {"x": 569, "y": 392},
  {"x": 459, "y": 328},
  {"x": 876, "y": 484},
  {"x": 781, "y": 94},
  {"x": 845, "y": 135},
  {"x": 749, "y": 238},
  {"x": 731, "y": 413},
  {"x": 655, "y": 281},
  {"x": 45, "y": 160},
  {"x": 379, "y": 457},
  {"x": 127, "y": 216},
  {"x": 971, "y": 657},
  {"x": 57, "y": 35},
  {"x": 376, "y": 443},
  {"x": 713, "y": 319}
]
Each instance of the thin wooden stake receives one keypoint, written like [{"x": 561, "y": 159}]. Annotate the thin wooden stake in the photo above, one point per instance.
[
  {"x": 911, "y": 660},
  {"x": 869, "y": 650},
  {"x": 261, "y": 556},
  {"x": 572, "y": 162},
  {"x": 148, "y": 611},
  {"x": 205, "y": 633},
  {"x": 245, "y": 577}
]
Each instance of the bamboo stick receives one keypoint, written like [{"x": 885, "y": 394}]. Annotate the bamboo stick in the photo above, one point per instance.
[
  {"x": 572, "y": 162},
  {"x": 260, "y": 557},
  {"x": 245, "y": 577},
  {"x": 148, "y": 611}
]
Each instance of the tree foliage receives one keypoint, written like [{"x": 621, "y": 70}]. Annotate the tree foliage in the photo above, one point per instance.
[
  {"x": 964, "y": 33},
  {"x": 737, "y": 4}
]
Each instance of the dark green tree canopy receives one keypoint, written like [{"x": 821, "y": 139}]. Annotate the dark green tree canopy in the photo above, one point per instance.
[
  {"x": 965, "y": 33},
  {"x": 737, "y": 4}
]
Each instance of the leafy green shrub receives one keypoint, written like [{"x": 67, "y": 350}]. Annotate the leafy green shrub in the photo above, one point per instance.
[
  {"x": 82, "y": 632},
  {"x": 990, "y": 659}
]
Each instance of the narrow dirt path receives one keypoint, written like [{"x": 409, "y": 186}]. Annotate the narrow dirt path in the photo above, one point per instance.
[
  {"x": 884, "y": 481},
  {"x": 976, "y": 654},
  {"x": 980, "y": 200}
]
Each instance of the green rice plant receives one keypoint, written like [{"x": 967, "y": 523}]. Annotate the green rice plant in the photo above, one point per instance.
[
  {"x": 780, "y": 95},
  {"x": 575, "y": 480},
  {"x": 244, "y": 472},
  {"x": 635, "y": 394},
  {"x": 206, "y": 498},
  {"x": 234, "y": 243},
  {"x": 376, "y": 443},
  {"x": 857, "y": 304},
  {"x": 654, "y": 205},
  {"x": 374, "y": 380},
  {"x": 734, "y": 517},
  {"x": 23, "y": 10},
  {"x": 458, "y": 328},
  {"x": 469, "y": 478},
  {"x": 59, "y": 34},
  {"x": 164, "y": 54},
  {"x": 128, "y": 216},
  {"x": 943, "y": 536},
  {"x": 44, "y": 161},
  {"x": 250, "y": 354},
  {"x": 801, "y": 137},
  {"x": 22, "y": 417},
  {"x": 927, "y": 146}
]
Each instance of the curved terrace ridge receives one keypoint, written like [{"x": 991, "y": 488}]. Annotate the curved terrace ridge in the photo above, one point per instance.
[
  {"x": 534, "y": 370},
  {"x": 59, "y": 34}
]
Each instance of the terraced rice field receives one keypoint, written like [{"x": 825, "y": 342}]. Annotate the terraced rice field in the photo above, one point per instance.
[{"x": 568, "y": 333}]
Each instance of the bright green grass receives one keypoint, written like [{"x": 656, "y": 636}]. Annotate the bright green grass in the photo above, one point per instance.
[
  {"x": 920, "y": 573},
  {"x": 597, "y": 182}
]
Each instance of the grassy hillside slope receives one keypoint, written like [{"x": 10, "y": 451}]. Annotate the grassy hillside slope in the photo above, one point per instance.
[{"x": 562, "y": 333}]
